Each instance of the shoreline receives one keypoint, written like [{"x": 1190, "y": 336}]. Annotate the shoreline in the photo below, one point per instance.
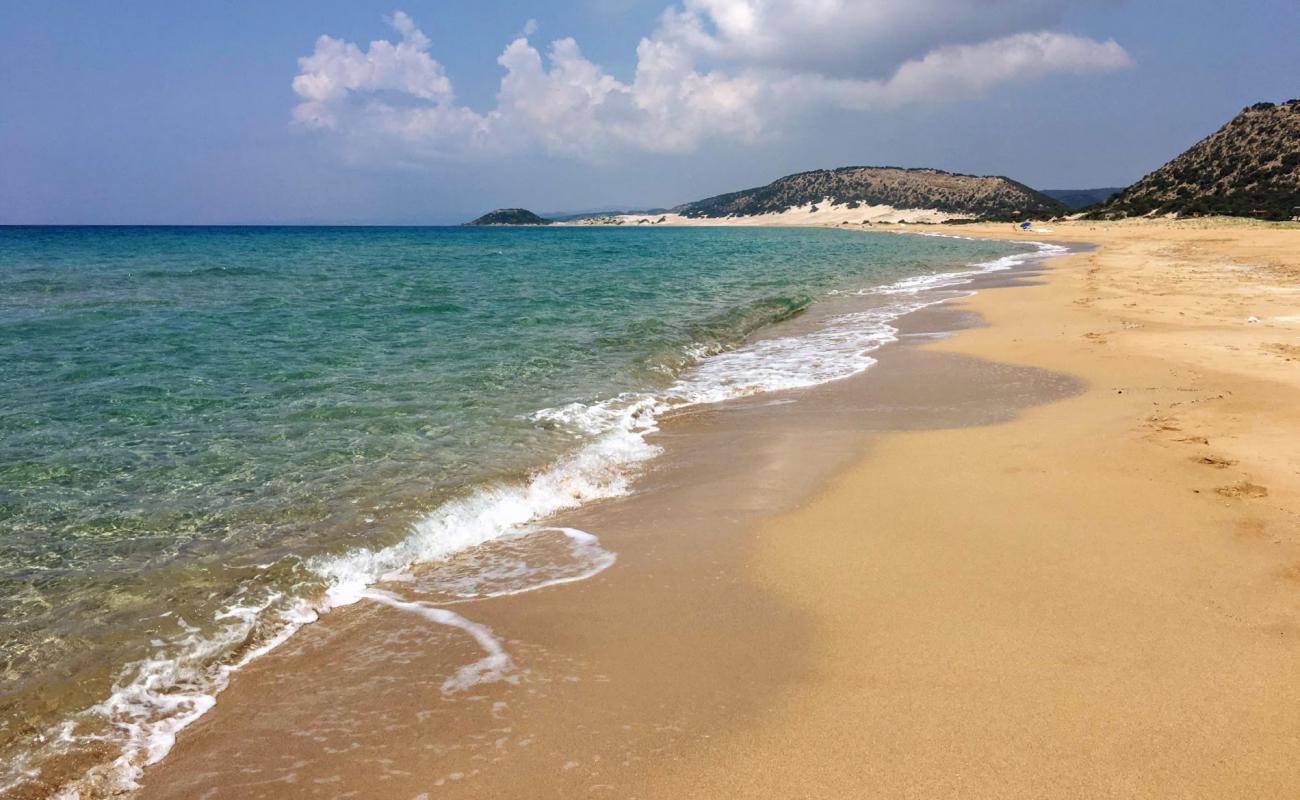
[
  {"x": 809, "y": 602},
  {"x": 1099, "y": 597},
  {"x": 162, "y": 733},
  {"x": 704, "y": 444},
  {"x": 1095, "y": 602}
]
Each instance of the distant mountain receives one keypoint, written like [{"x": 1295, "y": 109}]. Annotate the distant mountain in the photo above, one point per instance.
[
  {"x": 511, "y": 216},
  {"x": 1081, "y": 198},
  {"x": 569, "y": 216},
  {"x": 1248, "y": 168},
  {"x": 987, "y": 197}
]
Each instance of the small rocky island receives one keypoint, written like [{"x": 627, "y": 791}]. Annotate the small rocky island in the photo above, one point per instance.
[{"x": 511, "y": 216}]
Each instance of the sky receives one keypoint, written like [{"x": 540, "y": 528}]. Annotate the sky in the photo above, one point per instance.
[{"x": 421, "y": 112}]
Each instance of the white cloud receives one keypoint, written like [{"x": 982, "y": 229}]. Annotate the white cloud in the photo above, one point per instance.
[
  {"x": 847, "y": 38},
  {"x": 714, "y": 68},
  {"x": 951, "y": 73},
  {"x": 339, "y": 69}
]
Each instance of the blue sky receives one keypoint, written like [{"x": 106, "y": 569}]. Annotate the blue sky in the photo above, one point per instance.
[{"x": 237, "y": 112}]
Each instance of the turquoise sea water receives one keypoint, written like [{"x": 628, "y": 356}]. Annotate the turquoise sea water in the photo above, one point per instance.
[{"x": 199, "y": 425}]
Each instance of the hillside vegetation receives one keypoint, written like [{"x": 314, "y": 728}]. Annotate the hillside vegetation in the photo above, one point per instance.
[
  {"x": 511, "y": 216},
  {"x": 976, "y": 197},
  {"x": 1082, "y": 198},
  {"x": 1248, "y": 168}
]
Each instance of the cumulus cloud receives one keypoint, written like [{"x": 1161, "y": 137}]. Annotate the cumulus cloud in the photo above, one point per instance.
[
  {"x": 951, "y": 73},
  {"x": 339, "y": 69},
  {"x": 735, "y": 69},
  {"x": 848, "y": 38}
]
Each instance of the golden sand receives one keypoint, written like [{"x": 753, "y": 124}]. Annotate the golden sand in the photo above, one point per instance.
[{"x": 1098, "y": 599}]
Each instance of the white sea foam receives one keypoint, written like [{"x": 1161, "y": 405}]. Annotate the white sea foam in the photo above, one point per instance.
[
  {"x": 159, "y": 696},
  {"x": 495, "y": 665},
  {"x": 600, "y": 469},
  {"x": 166, "y": 693},
  {"x": 514, "y": 563}
]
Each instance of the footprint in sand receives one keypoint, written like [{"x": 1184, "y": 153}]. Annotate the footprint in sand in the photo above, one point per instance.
[
  {"x": 1243, "y": 489},
  {"x": 1251, "y": 529},
  {"x": 1288, "y": 352},
  {"x": 1215, "y": 461},
  {"x": 1160, "y": 423}
]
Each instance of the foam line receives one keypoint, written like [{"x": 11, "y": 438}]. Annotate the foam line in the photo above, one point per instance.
[
  {"x": 161, "y": 695},
  {"x": 494, "y": 666}
]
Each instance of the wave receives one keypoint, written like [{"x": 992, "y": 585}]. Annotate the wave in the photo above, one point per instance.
[
  {"x": 203, "y": 272},
  {"x": 160, "y": 696},
  {"x": 618, "y": 428},
  {"x": 513, "y": 564}
]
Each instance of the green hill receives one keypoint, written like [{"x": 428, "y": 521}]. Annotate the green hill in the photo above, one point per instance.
[
  {"x": 973, "y": 196},
  {"x": 511, "y": 216},
  {"x": 1248, "y": 168},
  {"x": 1082, "y": 198}
]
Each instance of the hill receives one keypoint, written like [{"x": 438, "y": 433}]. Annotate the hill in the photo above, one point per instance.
[
  {"x": 570, "y": 216},
  {"x": 970, "y": 196},
  {"x": 511, "y": 216},
  {"x": 1248, "y": 168},
  {"x": 1082, "y": 198}
]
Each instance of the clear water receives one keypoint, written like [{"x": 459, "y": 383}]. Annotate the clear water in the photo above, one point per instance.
[{"x": 193, "y": 420}]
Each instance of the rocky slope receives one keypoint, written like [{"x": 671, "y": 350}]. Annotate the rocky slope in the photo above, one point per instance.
[{"x": 1249, "y": 167}]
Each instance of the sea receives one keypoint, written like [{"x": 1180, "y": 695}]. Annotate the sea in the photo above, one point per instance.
[{"x": 211, "y": 435}]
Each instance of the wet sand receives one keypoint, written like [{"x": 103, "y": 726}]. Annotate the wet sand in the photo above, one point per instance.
[{"x": 1053, "y": 555}]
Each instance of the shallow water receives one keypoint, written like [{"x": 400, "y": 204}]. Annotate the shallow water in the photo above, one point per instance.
[{"x": 208, "y": 433}]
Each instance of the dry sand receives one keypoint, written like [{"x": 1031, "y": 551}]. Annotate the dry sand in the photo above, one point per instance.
[
  {"x": 951, "y": 577},
  {"x": 823, "y": 213},
  {"x": 1099, "y": 599}
]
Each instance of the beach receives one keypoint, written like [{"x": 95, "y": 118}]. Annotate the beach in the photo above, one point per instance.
[
  {"x": 1042, "y": 542},
  {"x": 1097, "y": 599},
  {"x": 711, "y": 399},
  {"x": 255, "y": 427},
  {"x": 1054, "y": 554}
]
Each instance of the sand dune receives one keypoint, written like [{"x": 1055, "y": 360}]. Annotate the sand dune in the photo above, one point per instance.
[{"x": 811, "y": 214}]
